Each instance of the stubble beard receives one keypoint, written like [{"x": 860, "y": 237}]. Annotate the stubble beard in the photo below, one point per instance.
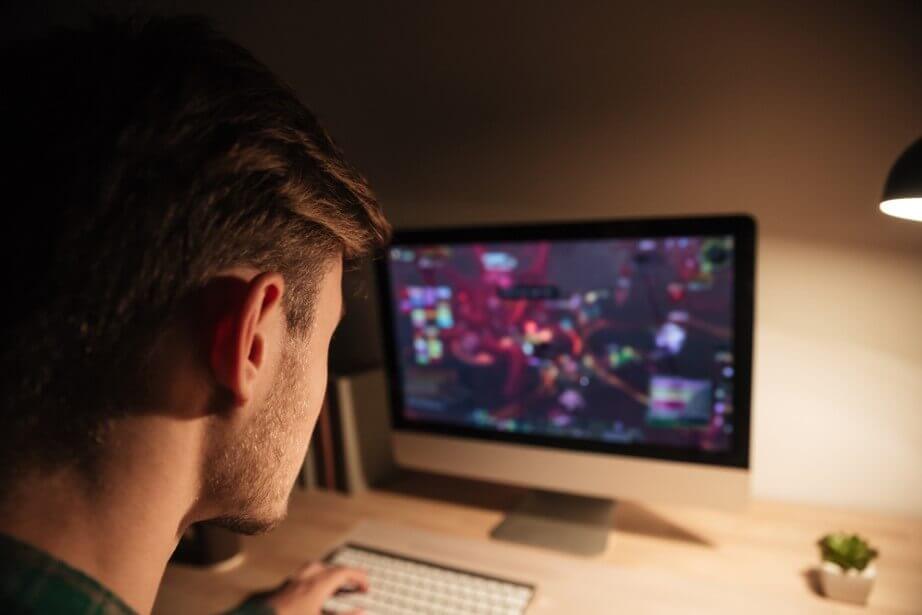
[{"x": 252, "y": 478}]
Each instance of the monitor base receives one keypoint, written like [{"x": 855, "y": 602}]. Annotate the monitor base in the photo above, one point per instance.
[{"x": 573, "y": 524}]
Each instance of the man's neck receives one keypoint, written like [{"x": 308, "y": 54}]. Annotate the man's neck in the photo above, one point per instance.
[{"x": 120, "y": 527}]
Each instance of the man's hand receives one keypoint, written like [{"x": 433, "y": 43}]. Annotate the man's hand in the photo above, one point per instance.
[{"x": 311, "y": 585}]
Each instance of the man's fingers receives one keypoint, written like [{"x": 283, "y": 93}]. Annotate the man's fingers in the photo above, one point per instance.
[{"x": 336, "y": 577}]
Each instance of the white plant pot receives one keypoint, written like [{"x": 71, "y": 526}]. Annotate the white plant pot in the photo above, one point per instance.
[{"x": 852, "y": 586}]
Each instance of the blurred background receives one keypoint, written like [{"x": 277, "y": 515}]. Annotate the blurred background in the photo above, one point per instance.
[{"x": 472, "y": 112}]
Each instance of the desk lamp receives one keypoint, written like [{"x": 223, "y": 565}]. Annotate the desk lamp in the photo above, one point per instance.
[{"x": 903, "y": 191}]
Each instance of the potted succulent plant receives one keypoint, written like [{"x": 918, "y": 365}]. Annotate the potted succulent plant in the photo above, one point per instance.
[{"x": 847, "y": 572}]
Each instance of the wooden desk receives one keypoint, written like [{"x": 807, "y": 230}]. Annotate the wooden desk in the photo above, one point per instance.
[{"x": 659, "y": 559}]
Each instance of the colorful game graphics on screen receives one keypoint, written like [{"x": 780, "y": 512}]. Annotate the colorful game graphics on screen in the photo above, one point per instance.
[
  {"x": 622, "y": 340},
  {"x": 430, "y": 313}
]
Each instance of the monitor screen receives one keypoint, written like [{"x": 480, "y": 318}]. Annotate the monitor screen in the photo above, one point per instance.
[{"x": 625, "y": 343}]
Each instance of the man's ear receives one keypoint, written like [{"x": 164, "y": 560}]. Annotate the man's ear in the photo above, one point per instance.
[{"x": 247, "y": 320}]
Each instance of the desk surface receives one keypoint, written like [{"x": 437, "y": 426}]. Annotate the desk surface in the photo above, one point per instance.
[{"x": 660, "y": 559}]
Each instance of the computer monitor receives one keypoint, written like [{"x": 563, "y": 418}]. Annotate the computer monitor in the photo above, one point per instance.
[{"x": 609, "y": 359}]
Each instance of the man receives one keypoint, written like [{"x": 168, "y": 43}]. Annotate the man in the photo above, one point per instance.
[{"x": 175, "y": 224}]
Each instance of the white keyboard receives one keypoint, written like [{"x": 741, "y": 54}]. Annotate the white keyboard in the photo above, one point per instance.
[{"x": 405, "y": 586}]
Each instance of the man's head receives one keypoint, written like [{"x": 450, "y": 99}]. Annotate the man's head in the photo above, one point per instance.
[{"x": 168, "y": 204}]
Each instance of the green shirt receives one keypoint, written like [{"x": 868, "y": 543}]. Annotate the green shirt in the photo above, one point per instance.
[{"x": 33, "y": 582}]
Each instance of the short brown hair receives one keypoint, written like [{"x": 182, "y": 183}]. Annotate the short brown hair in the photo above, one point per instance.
[{"x": 145, "y": 156}]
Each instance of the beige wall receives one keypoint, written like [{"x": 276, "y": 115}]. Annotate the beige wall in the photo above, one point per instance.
[
  {"x": 838, "y": 376},
  {"x": 464, "y": 113},
  {"x": 792, "y": 111}
]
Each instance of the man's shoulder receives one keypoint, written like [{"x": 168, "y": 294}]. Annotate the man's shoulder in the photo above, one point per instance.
[{"x": 32, "y": 581}]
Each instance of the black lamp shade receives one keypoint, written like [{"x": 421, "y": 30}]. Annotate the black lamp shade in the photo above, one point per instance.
[{"x": 903, "y": 191}]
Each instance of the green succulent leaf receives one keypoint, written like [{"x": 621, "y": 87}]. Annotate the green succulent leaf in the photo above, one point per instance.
[{"x": 847, "y": 550}]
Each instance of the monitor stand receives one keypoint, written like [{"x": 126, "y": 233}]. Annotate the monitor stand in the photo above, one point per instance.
[{"x": 563, "y": 522}]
